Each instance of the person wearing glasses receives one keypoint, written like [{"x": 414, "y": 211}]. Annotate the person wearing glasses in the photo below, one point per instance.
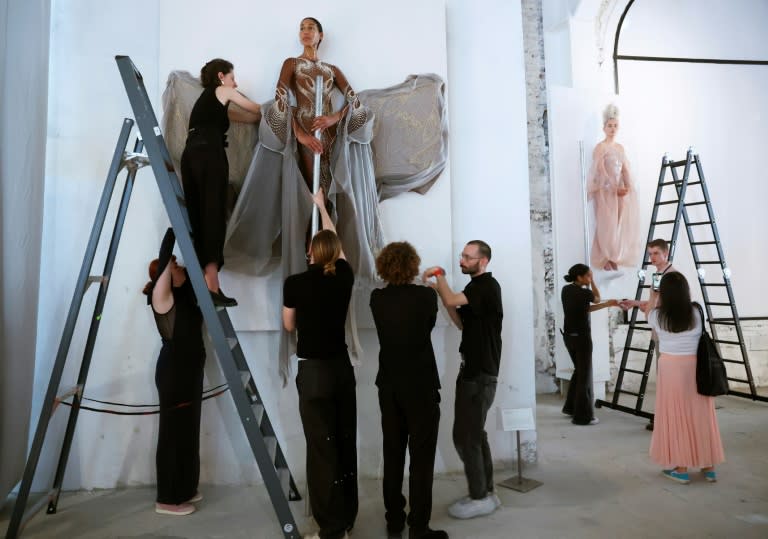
[{"x": 477, "y": 312}]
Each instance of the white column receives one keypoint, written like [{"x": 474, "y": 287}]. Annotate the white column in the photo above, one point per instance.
[{"x": 490, "y": 197}]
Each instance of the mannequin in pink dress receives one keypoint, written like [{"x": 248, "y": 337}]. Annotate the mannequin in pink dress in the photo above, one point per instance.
[{"x": 617, "y": 240}]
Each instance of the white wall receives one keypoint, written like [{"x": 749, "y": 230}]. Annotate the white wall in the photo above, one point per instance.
[
  {"x": 665, "y": 107},
  {"x": 376, "y": 46}
]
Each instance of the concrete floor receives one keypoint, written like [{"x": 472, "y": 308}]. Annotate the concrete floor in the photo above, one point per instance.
[{"x": 597, "y": 482}]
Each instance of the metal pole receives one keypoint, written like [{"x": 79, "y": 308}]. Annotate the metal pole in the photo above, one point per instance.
[
  {"x": 316, "y": 164},
  {"x": 585, "y": 202},
  {"x": 519, "y": 460}
]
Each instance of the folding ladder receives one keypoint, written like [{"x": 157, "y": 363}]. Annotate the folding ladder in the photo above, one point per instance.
[
  {"x": 707, "y": 250},
  {"x": 250, "y": 407}
]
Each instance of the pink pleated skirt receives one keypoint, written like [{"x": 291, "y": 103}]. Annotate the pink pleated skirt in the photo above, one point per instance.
[{"x": 685, "y": 431}]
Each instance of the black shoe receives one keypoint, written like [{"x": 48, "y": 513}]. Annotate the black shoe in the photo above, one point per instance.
[
  {"x": 426, "y": 534},
  {"x": 220, "y": 300}
]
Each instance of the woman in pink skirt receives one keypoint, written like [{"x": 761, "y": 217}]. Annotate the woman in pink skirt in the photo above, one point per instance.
[{"x": 686, "y": 432}]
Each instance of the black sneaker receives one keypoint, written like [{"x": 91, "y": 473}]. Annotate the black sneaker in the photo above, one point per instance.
[{"x": 426, "y": 534}]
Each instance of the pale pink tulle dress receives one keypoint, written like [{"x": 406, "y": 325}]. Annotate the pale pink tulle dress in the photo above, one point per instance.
[
  {"x": 617, "y": 221},
  {"x": 685, "y": 431}
]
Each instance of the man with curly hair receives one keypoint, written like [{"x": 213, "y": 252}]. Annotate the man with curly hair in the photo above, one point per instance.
[{"x": 409, "y": 385}]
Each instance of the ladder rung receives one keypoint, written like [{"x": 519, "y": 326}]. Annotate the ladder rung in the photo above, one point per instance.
[
  {"x": 271, "y": 443},
  {"x": 245, "y": 378},
  {"x": 713, "y": 284},
  {"x": 733, "y": 361},
  {"x": 699, "y": 223},
  {"x": 722, "y": 323},
  {"x": 735, "y": 343},
  {"x": 695, "y": 203},
  {"x": 709, "y": 262},
  {"x": 697, "y": 182},
  {"x": 738, "y": 380},
  {"x": 675, "y": 164},
  {"x": 665, "y": 202},
  {"x": 633, "y": 371},
  {"x": 258, "y": 411},
  {"x": 628, "y": 392},
  {"x": 645, "y": 286},
  {"x": 703, "y": 243},
  {"x": 668, "y": 222},
  {"x": 74, "y": 390},
  {"x": 671, "y": 183},
  {"x": 635, "y": 349},
  {"x": 720, "y": 303},
  {"x": 642, "y": 328},
  {"x": 284, "y": 476}
]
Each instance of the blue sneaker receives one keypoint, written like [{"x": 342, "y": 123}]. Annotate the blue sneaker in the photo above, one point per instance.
[
  {"x": 710, "y": 476},
  {"x": 680, "y": 477}
]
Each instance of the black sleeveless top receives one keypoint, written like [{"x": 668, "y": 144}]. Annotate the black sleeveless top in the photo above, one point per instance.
[
  {"x": 209, "y": 117},
  {"x": 182, "y": 326}
]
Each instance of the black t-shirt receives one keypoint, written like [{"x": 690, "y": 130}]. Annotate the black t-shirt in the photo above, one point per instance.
[
  {"x": 404, "y": 317},
  {"x": 576, "y": 301},
  {"x": 321, "y": 303},
  {"x": 481, "y": 319}
]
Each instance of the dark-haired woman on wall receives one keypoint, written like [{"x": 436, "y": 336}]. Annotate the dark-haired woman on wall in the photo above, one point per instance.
[
  {"x": 409, "y": 388},
  {"x": 179, "y": 380},
  {"x": 685, "y": 432},
  {"x": 580, "y": 298},
  {"x": 315, "y": 305},
  {"x": 205, "y": 169}
]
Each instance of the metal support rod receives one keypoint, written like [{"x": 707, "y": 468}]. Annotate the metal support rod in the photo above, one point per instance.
[
  {"x": 519, "y": 459},
  {"x": 316, "y": 162},
  {"x": 584, "y": 199}
]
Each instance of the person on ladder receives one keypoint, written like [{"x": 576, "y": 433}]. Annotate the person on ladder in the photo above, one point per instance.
[
  {"x": 658, "y": 256},
  {"x": 205, "y": 169},
  {"x": 315, "y": 305},
  {"x": 610, "y": 187},
  {"x": 179, "y": 380}
]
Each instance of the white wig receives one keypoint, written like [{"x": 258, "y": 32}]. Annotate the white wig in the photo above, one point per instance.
[{"x": 611, "y": 112}]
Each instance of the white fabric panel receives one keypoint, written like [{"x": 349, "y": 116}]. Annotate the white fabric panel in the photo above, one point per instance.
[{"x": 24, "y": 29}]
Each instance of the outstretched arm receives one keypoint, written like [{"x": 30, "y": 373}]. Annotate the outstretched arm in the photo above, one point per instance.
[
  {"x": 450, "y": 299},
  {"x": 162, "y": 295},
  {"x": 325, "y": 219}
]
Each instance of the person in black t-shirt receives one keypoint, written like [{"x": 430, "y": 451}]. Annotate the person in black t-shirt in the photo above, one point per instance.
[
  {"x": 409, "y": 384},
  {"x": 478, "y": 312},
  {"x": 578, "y": 302},
  {"x": 315, "y": 305}
]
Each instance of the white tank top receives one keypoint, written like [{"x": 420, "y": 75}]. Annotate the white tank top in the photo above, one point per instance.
[{"x": 684, "y": 343}]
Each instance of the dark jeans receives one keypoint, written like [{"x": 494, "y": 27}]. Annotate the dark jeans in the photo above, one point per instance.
[
  {"x": 473, "y": 400},
  {"x": 410, "y": 419},
  {"x": 580, "y": 399},
  {"x": 328, "y": 409}
]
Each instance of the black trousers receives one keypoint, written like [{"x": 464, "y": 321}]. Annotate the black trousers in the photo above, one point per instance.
[
  {"x": 409, "y": 418},
  {"x": 328, "y": 408},
  {"x": 205, "y": 176},
  {"x": 474, "y": 397},
  {"x": 179, "y": 380},
  {"x": 580, "y": 400}
]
